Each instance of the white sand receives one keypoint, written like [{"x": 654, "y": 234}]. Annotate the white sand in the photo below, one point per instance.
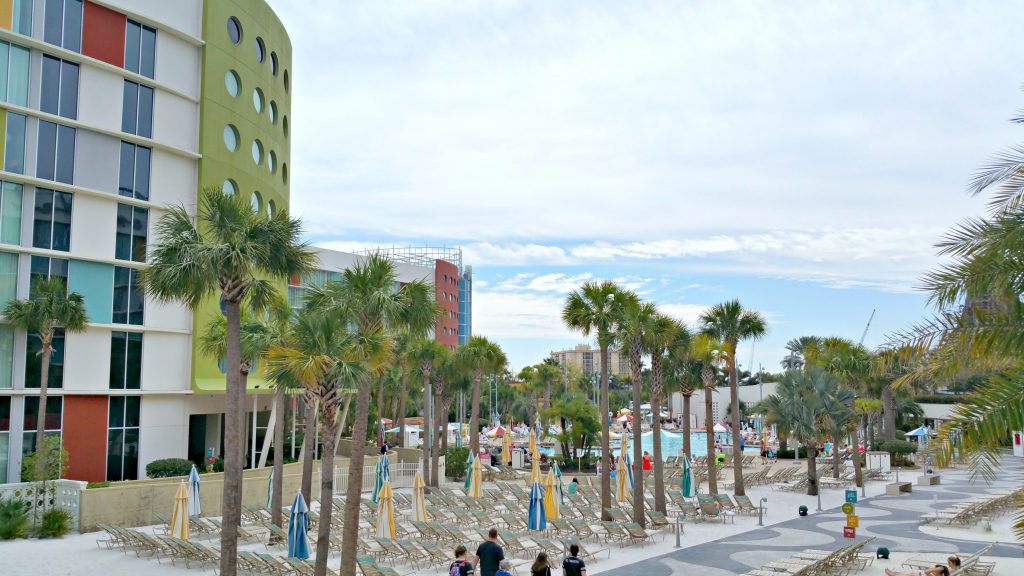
[{"x": 78, "y": 554}]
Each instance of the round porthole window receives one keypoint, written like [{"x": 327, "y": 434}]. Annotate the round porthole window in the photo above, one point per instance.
[
  {"x": 231, "y": 138},
  {"x": 284, "y": 174},
  {"x": 272, "y": 162},
  {"x": 229, "y": 187},
  {"x": 234, "y": 30},
  {"x": 284, "y": 125},
  {"x": 257, "y": 152},
  {"x": 256, "y": 202},
  {"x": 261, "y": 50},
  {"x": 232, "y": 83},
  {"x": 271, "y": 209},
  {"x": 273, "y": 63},
  {"x": 273, "y": 112},
  {"x": 286, "y": 86},
  {"x": 257, "y": 100}
]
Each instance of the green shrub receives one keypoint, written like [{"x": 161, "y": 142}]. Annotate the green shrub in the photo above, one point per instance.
[
  {"x": 91, "y": 485},
  {"x": 168, "y": 467},
  {"x": 788, "y": 454},
  {"x": 898, "y": 447},
  {"x": 56, "y": 523},
  {"x": 14, "y": 521},
  {"x": 455, "y": 463},
  {"x": 218, "y": 466},
  {"x": 938, "y": 398}
]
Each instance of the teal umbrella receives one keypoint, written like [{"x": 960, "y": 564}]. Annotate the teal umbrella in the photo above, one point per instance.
[
  {"x": 558, "y": 481},
  {"x": 458, "y": 437},
  {"x": 298, "y": 546},
  {"x": 378, "y": 477},
  {"x": 270, "y": 489},
  {"x": 688, "y": 485}
]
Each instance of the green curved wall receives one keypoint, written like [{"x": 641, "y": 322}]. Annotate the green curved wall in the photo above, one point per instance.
[{"x": 218, "y": 109}]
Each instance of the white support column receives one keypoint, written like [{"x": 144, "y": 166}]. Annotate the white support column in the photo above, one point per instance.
[
  {"x": 252, "y": 457},
  {"x": 268, "y": 435}
]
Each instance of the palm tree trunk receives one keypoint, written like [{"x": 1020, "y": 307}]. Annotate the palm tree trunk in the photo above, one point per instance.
[
  {"x": 638, "y": 451},
  {"x": 858, "y": 471},
  {"x": 308, "y": 446},
  {"x": 277, "y": 489},
  {"x": 658, "y": 465},
  {"x": 234, "y": 442},
  {"x": 380, "y": 400},
  {"x": 836, "y": 462},
  {"x": 474, "y": 417},
  {"x": 350, "y": 537},
  {"x": 709, "y": 429},
  {"x": 46, "y": 343},
  {"x": 606, "y": 484},
  {"x": 401, "y": 410},
  {"x": 329, "y": 409},
  {"x": 435, "y": 443},
  {"x": 889, "y": 410},
  {"x": 737, "y": 454},
  {"x": 812, "y": 469},
  {"x": 426, "y": 424},
  {"x": 686, "y": 425}
]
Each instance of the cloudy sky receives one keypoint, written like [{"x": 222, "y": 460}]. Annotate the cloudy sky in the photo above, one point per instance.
[{"x": 803, "y": 157}]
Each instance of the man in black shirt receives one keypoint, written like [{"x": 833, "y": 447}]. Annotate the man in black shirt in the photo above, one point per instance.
[
  {"x": 489, "y": 554},
  {"x": 573, "y": 566}
]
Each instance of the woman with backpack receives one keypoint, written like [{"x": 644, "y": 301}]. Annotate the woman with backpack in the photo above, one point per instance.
[{"x": 461, "y": 566}]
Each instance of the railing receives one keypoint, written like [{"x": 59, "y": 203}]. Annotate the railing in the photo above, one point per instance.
[
  {"x": 45, "y": 495},
  {"x": 401, "y": 475}
]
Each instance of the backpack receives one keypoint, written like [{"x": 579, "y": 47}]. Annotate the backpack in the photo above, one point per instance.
[{"x": 456, "y": 568}]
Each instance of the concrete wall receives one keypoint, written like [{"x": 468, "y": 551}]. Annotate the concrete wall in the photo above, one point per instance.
[{"x": 137, "y": 503}]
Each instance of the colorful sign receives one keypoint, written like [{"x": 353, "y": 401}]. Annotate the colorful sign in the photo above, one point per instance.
[
  {"x": 851, "y": 496},
  {"x": 852, "y": 521},
  {"x": 847, "y": 508},
  {"x": 849, "y": 532}
]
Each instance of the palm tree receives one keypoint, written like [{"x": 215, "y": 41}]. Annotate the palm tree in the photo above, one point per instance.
[
  {"x": 634, "y": 331},
  {"x": 321, "y": 354},
  {"x": 730, "y": 323},
  {"x": 231, "y": 251},
  {"x": 374, "y": 313},
  {"x": 259, "y": 331},
  {"x": 426, "y": 354},
  {"x": 596, "y": 308},
  {"x": 480, "y": 356},
  {"x": 49, "y": 308},
  {"x": 665, "y": 334},
  {"x": 440, "y": 376},
  {"x": 706, "y": 352}
]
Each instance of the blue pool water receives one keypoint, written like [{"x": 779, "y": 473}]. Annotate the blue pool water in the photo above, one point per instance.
[{"x": 671, "y": 444}]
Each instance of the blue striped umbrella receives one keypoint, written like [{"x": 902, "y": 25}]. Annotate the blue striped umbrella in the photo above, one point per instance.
[
  {"x": 688, "y": 485},
  {"x": 381, "y": 473},
  {"x": 298, "y": 546},
  {"x": 537, "y": 519},
  {"x": 469, "y": 470},
  {"x": 194, "y": 506}
]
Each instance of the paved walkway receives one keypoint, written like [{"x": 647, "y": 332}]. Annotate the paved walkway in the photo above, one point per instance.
[{"x": 893, "y": 520}]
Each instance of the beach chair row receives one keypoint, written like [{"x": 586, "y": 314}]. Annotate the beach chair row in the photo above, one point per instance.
[
  {"x": 841, "y": 562},
  {"x": 976, "y": 509},
  {"x": 971, "y": 564}
]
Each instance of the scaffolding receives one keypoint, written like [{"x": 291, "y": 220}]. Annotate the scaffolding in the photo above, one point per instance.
[{"x": 424, "y": 256}]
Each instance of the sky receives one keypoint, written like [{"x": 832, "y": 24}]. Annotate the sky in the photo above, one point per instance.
[{"x": 803, "y": 157}]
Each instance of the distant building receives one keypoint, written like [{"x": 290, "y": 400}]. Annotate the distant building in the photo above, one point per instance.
[{"x": 588, "y": 360}]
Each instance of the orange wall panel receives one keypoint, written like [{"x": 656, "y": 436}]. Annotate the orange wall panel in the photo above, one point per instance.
[
  {"x": 103, "y": 34},
  {"x": 446, "y": 288},
  {"x": 85, "y": 437},
  {"x": 6, "y": 11}
]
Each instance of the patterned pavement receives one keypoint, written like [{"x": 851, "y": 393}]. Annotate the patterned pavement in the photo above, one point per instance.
[{"x": 893, "y": 520}]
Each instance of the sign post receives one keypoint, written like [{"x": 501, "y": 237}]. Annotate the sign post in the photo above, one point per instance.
[
  {"x": 851, "y": 496},
  {"x": 849, "y": 532}
]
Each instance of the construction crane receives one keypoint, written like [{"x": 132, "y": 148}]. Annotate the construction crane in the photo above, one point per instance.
[{"x": 865, "y": 333}]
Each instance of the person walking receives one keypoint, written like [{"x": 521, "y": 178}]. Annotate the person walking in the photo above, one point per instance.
[
  {"x": 647, "y": 461},
  {"x": 572, "y": 565},
  {"x": 541, "y": 566},
  {"x": 461, "y": 566},
  {"x": 489, "y": 555}
]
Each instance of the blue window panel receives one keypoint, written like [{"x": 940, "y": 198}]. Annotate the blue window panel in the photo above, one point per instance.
[{"x": 95, "y": 282}]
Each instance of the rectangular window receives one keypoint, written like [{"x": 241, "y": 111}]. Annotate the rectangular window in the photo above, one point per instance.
[
  {"x": 8, "y": 291},
  {"x": 43, "y": 268},
  {"x": 52, "y": 224},
  {"x": 55, "y": 153},
  {"x": 5, "y": 436},
  {"x": 14, "y": 144},
  {"x": 132, "y": 230},
  {"x": 10, "y": 213},
  {"x": 14, "y": 74},
  {"x": 53, "y": 420},
  {"x": 21, "y": 17},
  {"x": 134, "y": 172},
  {"x": 137, "y": 109},
  {"x": 125, "y": 361},
  {"x": 62, "y": 24},
  {"x": 140, "y": 49},
  {"x": 6, "y": 355},
  {"x": 34, "y": 361},
  {"x": 58, "y": 93},
  {"x": 123, "y": 438},
  {"x": 128, "y": 303}
]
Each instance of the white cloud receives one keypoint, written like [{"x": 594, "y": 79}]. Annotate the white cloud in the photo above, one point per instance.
[{"x": 518, "y": 315}]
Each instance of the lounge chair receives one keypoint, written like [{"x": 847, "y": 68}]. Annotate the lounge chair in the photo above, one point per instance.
[{"x": 745, "y": 506}]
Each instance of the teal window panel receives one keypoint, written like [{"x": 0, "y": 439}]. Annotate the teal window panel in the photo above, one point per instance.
[
  {"x": 95, "y": 282},
  {"x": 10, "y": 213},
  {"x": 8, "y": 277},
  {"x": 6, "y": 355}
]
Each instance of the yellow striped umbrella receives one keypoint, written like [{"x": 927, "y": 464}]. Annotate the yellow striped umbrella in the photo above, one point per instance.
[
  {"x": 535, "y": 475},
  {"x": 476, "y": 479},
  {"x": 506, "y": 447},
  {"x": 623, "y": 491},
  {"x": 179, "y": 517},
  {"x": 385, "y": 512},
  {"x": 551, "y": 503},
  {"x": 419, "y": 501},
  {"x": 533, "y": 443}
]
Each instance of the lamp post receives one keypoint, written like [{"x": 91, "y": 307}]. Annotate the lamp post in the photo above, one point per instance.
[{"x": 760, "y": 512}]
